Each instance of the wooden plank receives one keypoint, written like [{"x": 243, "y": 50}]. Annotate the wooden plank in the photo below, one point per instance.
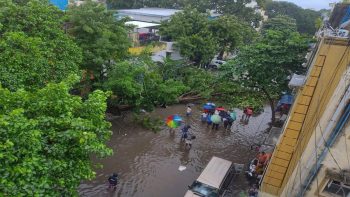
[
  {"x": 277, "y": 168},
  {"x": 275, "y": 174},
  {"x": 301, "y": 109},
  {"x": 272, "y": 181},
  {"x": 289, "y": 141},
  {"x": 270, "y": 189},
  {"x": 298, "y": 117},
  {"x": 291, "y": 133},
  {"x": 304, "y": 100},
  {"x": 308, "y": 90},
  {"x": 281, "y": 162},
  {"x": 286, "y": 148},
  {"x": 312, "y": 81},
  {"x": 316, "y": 71},
  {"x": 283, "y": 155},
  {"x": 294, "y": 125}
]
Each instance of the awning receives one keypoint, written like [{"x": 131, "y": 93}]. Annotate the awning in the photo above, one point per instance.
[
  {"x": 286, "y": 99},
  {"x": 297, "y": 80}
]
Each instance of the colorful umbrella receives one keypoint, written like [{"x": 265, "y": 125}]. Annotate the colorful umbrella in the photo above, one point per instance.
[
  {"x": 173, "y": 121},
  {"x": 215, "y": 119},
  {"x": 210, "y": 103},
  {"x": 209, "y": 107}
]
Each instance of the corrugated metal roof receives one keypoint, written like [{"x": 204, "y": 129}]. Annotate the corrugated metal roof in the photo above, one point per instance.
[
  {"x": 150, "y": 11},
  {"x": 140, "y": 24}
]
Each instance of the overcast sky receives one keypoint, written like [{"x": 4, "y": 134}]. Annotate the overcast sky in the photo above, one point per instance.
[{"x": 313, "y": 4}]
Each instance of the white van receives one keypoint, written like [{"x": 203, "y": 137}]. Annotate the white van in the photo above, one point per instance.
[
  {"x": 215, "y": 63},
  {"x": 214, "y": 179}
]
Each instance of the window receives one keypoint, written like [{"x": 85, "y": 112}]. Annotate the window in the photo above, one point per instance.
[{"x": 336, "y": 188}]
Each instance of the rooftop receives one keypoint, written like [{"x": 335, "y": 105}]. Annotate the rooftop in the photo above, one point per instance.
[
  {"x": 139, "y": 24},
  {"x": 150, "y": 11}
]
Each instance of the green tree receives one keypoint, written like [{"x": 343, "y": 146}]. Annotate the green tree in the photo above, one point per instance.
[
  {"x": 305, "y": 18},
  {"x": 190, "y": 29},
  {"x": 33, "y": 48},
  {"x": 264, "y": 66},
  {"x": 47, "y": 137},
  {"x": 239, "y": 9},
  {"x": 139, "y": 83},
  {"x": 280, "y": 23},
  {"x": 102, "y": 38},
  {"x": 230, "y": 33}
]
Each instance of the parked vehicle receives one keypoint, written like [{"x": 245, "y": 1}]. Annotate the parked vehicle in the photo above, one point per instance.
[
  {"x": 215, "y": 63},
  {"x": 214, "y": 179}
]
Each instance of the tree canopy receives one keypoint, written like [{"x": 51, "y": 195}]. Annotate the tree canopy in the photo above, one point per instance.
[
  {"x": 230, "y": 33},
  {"x": 200, "y": 39},
  {"x": 265, "y": 65},
  {"x": 102, "y": 38},
  {"x": 47, "y": 137},
  {"x": 190, "y": 29},
  {"x": 280, "y": 23},
  {"x": 140, "y": 83},
  {"x": 305, "y": 18},
  {"x": 34, "y": 49}
]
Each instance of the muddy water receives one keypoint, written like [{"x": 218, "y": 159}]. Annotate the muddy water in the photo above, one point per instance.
[{"x": 148, "y": 163}]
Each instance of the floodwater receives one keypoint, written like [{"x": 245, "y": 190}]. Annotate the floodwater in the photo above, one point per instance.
[{"x": 147, "y": 162}]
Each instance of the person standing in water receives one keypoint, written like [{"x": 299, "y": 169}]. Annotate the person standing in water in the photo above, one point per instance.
[
  {"x": 209, "y": 122},
  {"x": 113, "y": 181},
  {"x": 204, "y": 117},
  {"x": 188, "y": 111},
  {"x": 184, "y": 131}
]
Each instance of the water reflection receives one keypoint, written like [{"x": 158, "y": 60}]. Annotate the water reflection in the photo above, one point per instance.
[{"x": 148, "y": 163}]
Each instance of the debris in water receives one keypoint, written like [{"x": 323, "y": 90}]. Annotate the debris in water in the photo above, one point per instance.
[{"x": 182, "y": 168}]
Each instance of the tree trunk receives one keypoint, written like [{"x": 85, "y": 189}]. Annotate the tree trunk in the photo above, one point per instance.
[
  {"x": 221, "y": 54},
  {"x": 272, "y": 105}
]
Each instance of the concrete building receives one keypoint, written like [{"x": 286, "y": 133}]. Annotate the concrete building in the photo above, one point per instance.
[
  {"x": 151, "y": 15},
  {"x": 312, "y": 156},
  {"x": 61, "y": 4}
]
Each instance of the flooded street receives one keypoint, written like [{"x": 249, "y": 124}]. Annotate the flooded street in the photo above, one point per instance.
[{"x": 147, "y": 162}]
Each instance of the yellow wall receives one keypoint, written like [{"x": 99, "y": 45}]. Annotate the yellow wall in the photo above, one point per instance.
[
  {"x": 138, "y": 50},
  {"x": 328, "y": 66}
]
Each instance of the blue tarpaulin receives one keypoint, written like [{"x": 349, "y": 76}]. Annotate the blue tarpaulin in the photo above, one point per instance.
[
  {"x": 286, "y": 99},
  {"x": 61, "y": 4}
]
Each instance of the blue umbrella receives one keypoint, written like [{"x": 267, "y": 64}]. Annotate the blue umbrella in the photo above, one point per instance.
[
  {"x": 286, "y": 99},
  {"x": 209, "y": 106}
]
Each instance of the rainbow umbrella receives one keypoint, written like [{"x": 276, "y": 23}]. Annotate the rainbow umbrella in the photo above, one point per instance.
[{"x": 173, "y": 121}]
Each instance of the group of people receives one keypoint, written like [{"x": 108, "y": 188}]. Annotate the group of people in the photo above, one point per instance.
[
  {"x": 258, "y": 165},
  {"x": 227, "y": 117}
]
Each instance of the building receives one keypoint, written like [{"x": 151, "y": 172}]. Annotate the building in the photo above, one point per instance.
[
  {"x": 254, "y": 5},
  {"x": 312, "y": 157},
  {"x": 61, "y": 4},
  {"x": 79, "y": 2},
  {"x": 151, "y": 15}
]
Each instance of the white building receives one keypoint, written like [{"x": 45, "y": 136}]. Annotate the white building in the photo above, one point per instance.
[{"x": 151, "y": 15}]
